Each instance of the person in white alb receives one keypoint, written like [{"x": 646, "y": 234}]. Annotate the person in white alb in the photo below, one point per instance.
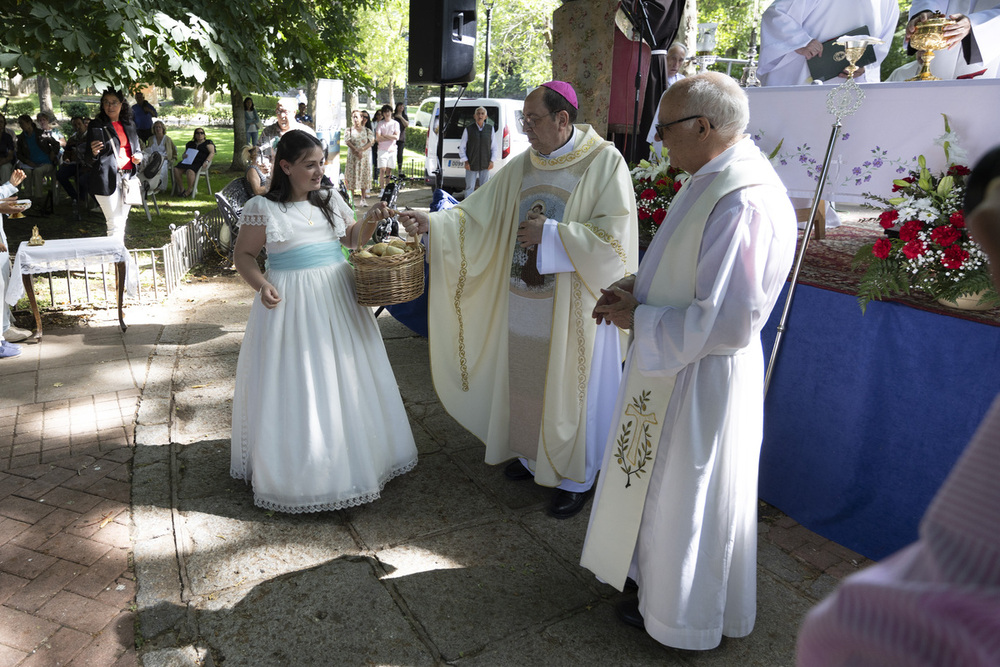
[
  {"x": 676, "y": 503},
  {"x": 479, "y": 149},
  {"x": 792, "y": 32},
  {"x": 974, "y": 41}
]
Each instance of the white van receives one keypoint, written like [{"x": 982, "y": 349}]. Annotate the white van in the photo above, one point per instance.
[{"x": 503, "y": 114}]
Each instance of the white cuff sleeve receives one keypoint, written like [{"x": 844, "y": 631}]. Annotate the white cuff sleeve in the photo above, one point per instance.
[{"x": 552, "y": 256}]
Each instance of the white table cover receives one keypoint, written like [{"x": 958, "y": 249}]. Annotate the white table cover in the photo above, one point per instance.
[
  {"x": 71, "y": 255},
  {"x": 881, "y": 141}
]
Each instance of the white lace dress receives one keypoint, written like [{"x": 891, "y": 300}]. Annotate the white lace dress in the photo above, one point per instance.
[{"x": 318, "y": 422}]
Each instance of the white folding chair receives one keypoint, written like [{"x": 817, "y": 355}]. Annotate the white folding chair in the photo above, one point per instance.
[{"x": 202, "y": 172}]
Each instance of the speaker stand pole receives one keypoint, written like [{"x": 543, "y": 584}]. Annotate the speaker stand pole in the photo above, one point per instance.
[{"x": 439, "y": 172}]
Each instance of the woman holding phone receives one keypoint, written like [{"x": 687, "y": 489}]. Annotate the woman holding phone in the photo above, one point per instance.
[{"x": 114, "y": 151}]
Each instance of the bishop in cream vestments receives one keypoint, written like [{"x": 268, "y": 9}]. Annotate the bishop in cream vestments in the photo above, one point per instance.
[{"x": 515, "y": 356}]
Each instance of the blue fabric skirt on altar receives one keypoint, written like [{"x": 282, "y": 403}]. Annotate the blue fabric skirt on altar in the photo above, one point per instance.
[{"x": 867, "y": 414}]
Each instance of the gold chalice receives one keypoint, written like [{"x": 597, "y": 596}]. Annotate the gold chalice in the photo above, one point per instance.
[{"x": 927, "y": 37}]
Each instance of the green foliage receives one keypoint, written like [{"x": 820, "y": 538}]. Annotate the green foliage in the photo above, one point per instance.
[
  {"x": 182, "y": 96},
  {"x": 416, "y": 138},
  {"x": 520, "y": 46},
  {"x": 70, "y": 109}
]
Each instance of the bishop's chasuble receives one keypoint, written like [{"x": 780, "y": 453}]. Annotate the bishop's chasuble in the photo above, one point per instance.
[{"x": 511, "y": 349}]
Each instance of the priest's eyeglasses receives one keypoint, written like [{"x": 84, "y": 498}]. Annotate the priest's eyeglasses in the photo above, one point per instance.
[{"x": 661, "y": 128}]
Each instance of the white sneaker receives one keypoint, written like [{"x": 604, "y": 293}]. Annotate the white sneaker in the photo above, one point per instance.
[{"x": 15, "y": 334}]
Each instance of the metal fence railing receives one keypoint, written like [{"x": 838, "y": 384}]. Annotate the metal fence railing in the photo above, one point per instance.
[{"x": 160, "y": 269}]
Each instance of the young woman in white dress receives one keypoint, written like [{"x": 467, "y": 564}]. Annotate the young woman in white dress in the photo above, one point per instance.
[
  {"x": 160, "y": 143},
  {"x": 318, "y": 422}
]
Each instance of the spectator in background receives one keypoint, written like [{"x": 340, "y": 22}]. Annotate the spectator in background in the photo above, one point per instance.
[
  {"x": 197, "y": 152},
  {"x": 143, "y": 114},
  {"x": 258, "y": 172},
  {"x": 70, "y": 167},
  {"x": 113, "y": 159},
  {"x": 37, "y": 155},
  {"x": 386, "y": 135},
  {"x": 676, "y": 55},
  {"x": 302, "y": 116},
  {"x": 358, "y": 171},
  {"x": 9, "y": 334},
  {"x": 8, "y": 149},
  {"x": 164, "y": 145},
  {"x": 49, "y": 130},
  {"x": 252, "y": 121},
  {"x": 284, "y": 121},
  {"x": 479, "y": 149},
  {"x": 399, "y": 115}
]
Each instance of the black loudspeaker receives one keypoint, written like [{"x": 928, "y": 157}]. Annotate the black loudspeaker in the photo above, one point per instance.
[{"x": 442, "y": 42}]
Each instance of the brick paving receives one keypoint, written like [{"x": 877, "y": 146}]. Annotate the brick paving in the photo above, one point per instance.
[
  {"x": 67, "y": 589},
  {"x": 67, "y": 586}
]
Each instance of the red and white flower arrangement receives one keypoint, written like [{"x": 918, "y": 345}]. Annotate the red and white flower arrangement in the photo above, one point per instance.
[{"x": 655, "y": 186}]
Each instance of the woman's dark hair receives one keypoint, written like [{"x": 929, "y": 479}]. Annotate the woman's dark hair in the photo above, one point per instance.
[
  {"x": 291, "y": 147},
  {"x": 196, "y": 131},
  {"x": 124, "y": 116},
  {"x": 985, "y": 171},
  {"x": 250, "y": 100}
]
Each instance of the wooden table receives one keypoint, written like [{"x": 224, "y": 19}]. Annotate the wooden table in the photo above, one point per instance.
[{"x": 71, "y": 255}]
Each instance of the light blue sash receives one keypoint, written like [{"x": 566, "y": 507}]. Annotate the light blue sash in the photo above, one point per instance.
[{"x": 306, "y": 257}]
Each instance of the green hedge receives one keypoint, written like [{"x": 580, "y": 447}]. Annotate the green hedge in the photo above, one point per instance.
[
  {"x": 416, "y": 138},
  {"x": 20, "y": 107},
  {"x": 182, "y": 96}
]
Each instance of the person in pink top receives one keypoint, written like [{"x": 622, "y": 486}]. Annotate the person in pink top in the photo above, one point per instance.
[{"x": 936, "y": 602}]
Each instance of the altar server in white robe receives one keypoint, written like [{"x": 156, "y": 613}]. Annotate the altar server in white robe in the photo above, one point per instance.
[
  {"x": 792, "y": 31},
  {"x": 676, "y": 505},
  {"x": 515, "y": 270},
  {"x": 974, "y": 43}
]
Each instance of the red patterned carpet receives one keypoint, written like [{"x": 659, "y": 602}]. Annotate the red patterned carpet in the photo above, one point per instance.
[{"x": 828, "y": 265}]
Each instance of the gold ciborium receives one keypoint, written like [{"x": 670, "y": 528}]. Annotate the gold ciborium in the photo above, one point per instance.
[
  {"x": 36, "y": 238},
  {"x": 927, "y": 37}
]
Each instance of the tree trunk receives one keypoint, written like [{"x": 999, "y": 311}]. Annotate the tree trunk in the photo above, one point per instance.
[
  {"x": 311, "y": 99},
  {"x": 200, "y": 98},
  {"x": 352, "y": 104},
  {"x": 239, "y": 128},
  {"x": 687, "y": 32},
  {"x": 14, "y": 84},
  {"x": 391, "y": 95},
  {"x": 44, "y": 95}
]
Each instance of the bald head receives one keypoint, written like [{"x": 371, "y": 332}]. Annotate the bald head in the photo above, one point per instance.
[
  {"x": 675, "y": 58},
  {"x": 700, "y": 117}
]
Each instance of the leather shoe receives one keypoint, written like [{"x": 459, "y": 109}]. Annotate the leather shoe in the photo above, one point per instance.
[
  {"x": 565, "y": 504},
  {"x": 516, "y": 471},
  {"x": 627, "y": 609}
]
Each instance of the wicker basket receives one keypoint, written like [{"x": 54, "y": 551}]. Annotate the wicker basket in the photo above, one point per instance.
[{"x": 385, "y": 281}]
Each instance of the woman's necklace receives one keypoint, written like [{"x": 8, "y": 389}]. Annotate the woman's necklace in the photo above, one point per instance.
[{"x": 304, "y": 216}]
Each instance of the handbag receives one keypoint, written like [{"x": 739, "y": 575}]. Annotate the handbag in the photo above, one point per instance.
[{"x": 130, "y": 187}]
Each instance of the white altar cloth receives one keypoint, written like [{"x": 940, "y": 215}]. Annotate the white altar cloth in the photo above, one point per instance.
[
  {"x": 71, "y": 255},
  {"x": 880, "y": 142}
]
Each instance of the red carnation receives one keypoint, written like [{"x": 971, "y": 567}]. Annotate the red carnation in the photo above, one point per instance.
[
  {"x": 643, "y": 214},
  {"x": 945, "y": 235},
  {"x": 648, "y": 193},
  {"x": 677, "y": 185},
  {"x": 882, "y": 248},
  {"x": 658, "y": 216},
  {"x": 662, "y": 182},
  {"x": 914, "y": 248},
  {"x": 954, "y": 257},
  {"x": 908, "y": 231},
  {"x": 958, "y": 219},
  {"x": 958, "y": 170},
  {"x": 887, "y": 218}
]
